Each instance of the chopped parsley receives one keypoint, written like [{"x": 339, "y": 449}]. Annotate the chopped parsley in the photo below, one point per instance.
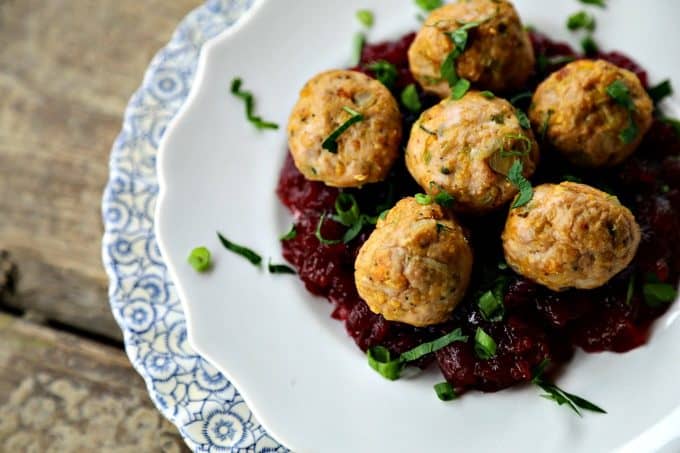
[
  {"x": 487, "y": 94},
  {"x": 459, "y": 37},
  {"x": 581, "y": 21},
  {"x": 445, "y": 391},
  {"x": 442, "y": 198},
  {"x": 423, "y": 199},
  {"x": 365, "y": 17},
  {"x": 517, "y": 179},
  {"x": 330, "y": 143},
  {"x": 619, "y": 92},
  {"x": 385, "y": 72},
  {"x": 554, "y": 393},
  {"x": 460, "y": 88},
  {"x": 658, "y": 294},
  {"x": 245, "y": 252},
  {"x": 589, "y": 46},
  {"x": 600, "y": 3},
  {"x": 381, "y": 360},
  {"x": 348, "y": 214},
  {"x": 485, "y": 346},
  {"x": 200, "y": 259},
  {"x": 249, "y": 101},
  {"x": 660, "y": 91},
  {"x": 291, "y": 234},
  {"x": 429, "y": 5},
  {"x": 410, "y": 99}
]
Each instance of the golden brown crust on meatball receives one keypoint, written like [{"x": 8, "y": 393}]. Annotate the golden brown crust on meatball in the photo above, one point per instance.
[
  {"x": 415, "y": 266},
  {"x": 366, "y": 151},
  {"x": 498, "y": 57},
  {"x": 570, "y": 236},
  {"x": 581, "y": 120},
  {"x": 466, "y": 147}
]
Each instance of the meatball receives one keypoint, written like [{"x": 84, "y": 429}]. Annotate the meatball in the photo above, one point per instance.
[
  {"x": 498, "y": 55},
  {"x": 366, "y": 150},
  {"x": 415, "y": 266},
  {"x": 577, "y": 116},
  {"x": 570, "y": 236},
  {"x": 466, "y": 148}
]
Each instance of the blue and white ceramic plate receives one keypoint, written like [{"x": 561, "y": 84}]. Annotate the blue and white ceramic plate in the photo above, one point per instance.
[
  {"x": 189, "y": 391},
  {"x": 296, "y": 368}
]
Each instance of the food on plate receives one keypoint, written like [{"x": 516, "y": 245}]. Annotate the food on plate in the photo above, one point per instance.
[
  {"x": 466, "y": 148},
  {"x": 484, "y": 42},
  {"x": 593, "y": 112},
  {"x": 570, "y": 236},
  {"x": 415, "y": 266},
  {"x": 345, "y": 129}
]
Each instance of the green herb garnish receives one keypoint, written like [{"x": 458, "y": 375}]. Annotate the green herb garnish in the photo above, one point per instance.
[
  {"x": 443, "y": 198},
  {"x": 381, "y": 360},
  {"x": 491, "y": 306},
  {"x": 660, "y": 91},
  {"x": 459, "y": 37},
  {"x": 423, "y": 128},
  {"x": 249, "y": 101},
  {"x": 589, "y": 46},
  {"x": 600, "y": 3},
  {"x": 485, "y": 346},
  {"x": 520, "y": 97},
  {"x": 445, "y": 391},
  {"x": 423, "y": 199},
  {"x": 365, "y": 17},
  {"x": 515, "y": 176},
  {"x": 280, "y": 268},
  {"x": 546, "y": 124},
  {"x": 385, "y": 72},
  {"x": 291, "y": 234},
  {"x": 526, "y": 146},
  {"x": 240, "y": 250},
  {"x": 429, "y": 5},
  {"x": 581, "y": 21},
  {"x": 358, "y": 43},
  {"x": 460, "y": 88},
  {"x": 487, "y": 94},
  {"x": 199, "y": 258},
  {"x": 318, "y": 235},
  {"x": 410, "y": 99},
  {"x": 554, "y": 393},
  {"x": 347, "y": 213},
  {"x": 658, "y": 294},
  {"x": 619, "y": 92},
  {"x": 630, "y": 289},
  {"x": 331, "y": 144},
  {"x": 523, "y": 119}
]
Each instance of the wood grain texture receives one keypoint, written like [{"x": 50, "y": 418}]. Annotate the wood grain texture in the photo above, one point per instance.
[
  {"x": 59, "y": 393},
  {"x": 67, "y": 69}
]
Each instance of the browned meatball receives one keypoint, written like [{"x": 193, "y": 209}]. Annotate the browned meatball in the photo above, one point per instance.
[
  {"x": 366, "y": 150},
  {"x": 581, "y": 120},
  {"x": 415, "y": 266},
  {"x": 570, "y": 236},
  {"x": 498, "y": 56},
  {"x": 466, "y": 147}
]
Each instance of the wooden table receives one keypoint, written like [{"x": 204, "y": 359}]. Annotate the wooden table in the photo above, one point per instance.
[{"x": 67, "y": 69}]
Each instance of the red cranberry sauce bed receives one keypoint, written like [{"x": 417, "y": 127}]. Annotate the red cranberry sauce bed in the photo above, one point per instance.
[{"x": 538, "y": 323}]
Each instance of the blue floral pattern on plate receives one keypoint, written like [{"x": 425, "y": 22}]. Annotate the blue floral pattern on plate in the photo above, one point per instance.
[{"x": 191, "y": 393}]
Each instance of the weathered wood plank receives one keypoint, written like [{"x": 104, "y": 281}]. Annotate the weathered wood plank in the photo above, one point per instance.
[
  {"x": 67, "y": 68},
  {"x": 59, "y": 393}
]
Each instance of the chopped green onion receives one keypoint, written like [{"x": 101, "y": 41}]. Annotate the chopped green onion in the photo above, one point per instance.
[
  {"x": 347, "y": 209},
  {"x": 410, "y": 100},
  {"x": 485, "y": 346},
  {"x": 491, "y": 306},
  {"x": 630, "y": 289},
  {"x": 443, "y": 198},
  {"x": 460, "y": 88},
  {"x": 380, "y": 359},
  {"x": 249, "y": 101},
  {"x": 447, "y": 70},
  {"x": 589, "y": 46},
  {"x": 520, "y": 97},
  {"x": 429, "y": 5},
  {"x": 365, "y": 17},
  {"x": 318, "y": 235},
  {"x": 433, "y": 346},
  {"x": 600, "y": 3},
  {"x": 523, "y": 119},
  {"x": 291, "y": 234},
  {"x": 658, "y": 294},
  {"x": 620, "y": 93},
  {"x": 660, "y": 91},
  {"x": 554, "y": 393},
  {"x": 675, "y": 124},
  {"x": 423, "y": 199},
  {"x": 200, "y": 259},
  {"x": 385, "y": 72},
  {"x": 330, "y": 143},
  {"x": 358, "y": 43},
  {"x": 581, "y": 20},
  {"x": 383, "y": 214},
  {"x": 445, "y": 391},
  {"x": 280, "y": 268},
  {"x": 487, "y": 94},
  {"x": 245, "y": 252},
  {"x": 515, "y": 176}
]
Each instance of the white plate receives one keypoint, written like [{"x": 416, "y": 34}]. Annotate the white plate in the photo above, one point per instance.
[{"x": 299, "y": 372}]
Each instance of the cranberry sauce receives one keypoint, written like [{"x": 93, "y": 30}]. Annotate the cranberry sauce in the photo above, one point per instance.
[{"x": 538, "y": 323}]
